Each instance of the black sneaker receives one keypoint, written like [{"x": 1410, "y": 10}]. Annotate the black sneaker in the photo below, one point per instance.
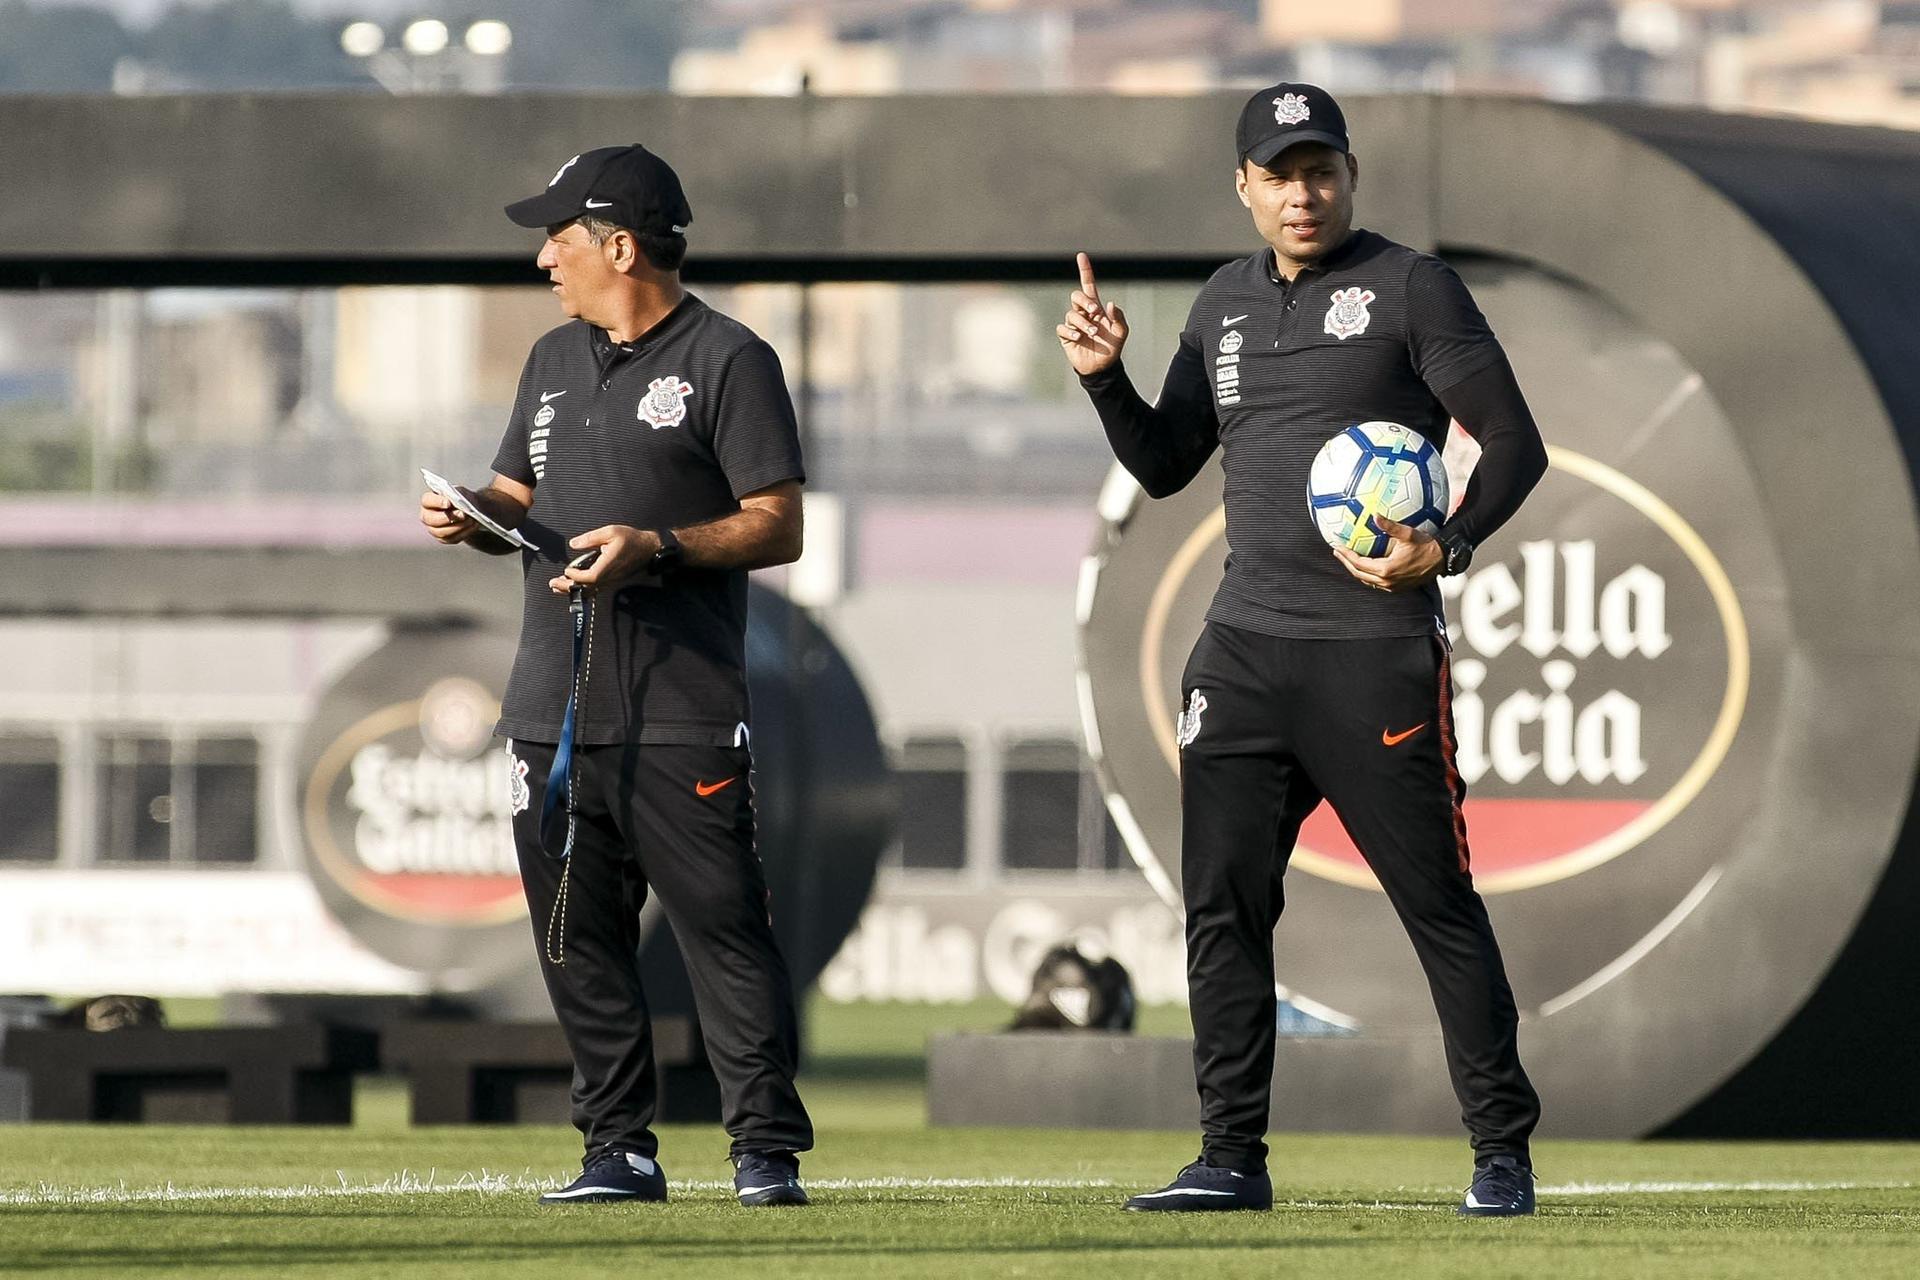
[
  {"x": 1502, "y": 1188},
  {"x": 614, "y": 1177},
  {"x": 767, "y": 1178},
  {"x": 1205, "y": 1187}
]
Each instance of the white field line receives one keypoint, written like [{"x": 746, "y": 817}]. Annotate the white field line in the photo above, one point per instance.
[
  {"x": 1658, "y": 1188},
  {"x": 408, "y": 1183}
]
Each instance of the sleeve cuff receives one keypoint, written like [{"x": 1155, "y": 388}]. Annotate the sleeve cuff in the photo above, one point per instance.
[
  {"x": 1106, "y": 378},
  {"x": 764, "y": 478},
  {"x": 515, "y": 469},
  {"x": 1466, "y": 367}
]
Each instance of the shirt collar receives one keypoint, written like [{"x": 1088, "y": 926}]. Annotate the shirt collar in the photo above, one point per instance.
[
  {"x": 1330, "y": 262},
  {"x": 606, "y": 350}
]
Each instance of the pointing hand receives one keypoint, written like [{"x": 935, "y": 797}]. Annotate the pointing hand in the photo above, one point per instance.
[{"x": 1094, "y": 331}]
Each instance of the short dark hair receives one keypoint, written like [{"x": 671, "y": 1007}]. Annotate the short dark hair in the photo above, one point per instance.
[
  {"x": 665, "y": 253},
  {"x": 662, "y": 252}
]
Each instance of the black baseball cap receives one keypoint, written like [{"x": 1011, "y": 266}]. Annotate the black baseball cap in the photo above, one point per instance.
[
  {"x": 628, "y": 186},
  {"x": 1285, "y": 115}
]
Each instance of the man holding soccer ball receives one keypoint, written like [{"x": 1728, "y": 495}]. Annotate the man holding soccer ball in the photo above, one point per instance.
[{"x": 1322, "y": 674}]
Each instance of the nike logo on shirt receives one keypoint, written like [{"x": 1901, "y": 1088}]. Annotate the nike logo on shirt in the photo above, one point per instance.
[
  {"x": 1233, "y": 320},
  {"x": 550, "y": 395},
  {"x": 1395, "y": 739}
]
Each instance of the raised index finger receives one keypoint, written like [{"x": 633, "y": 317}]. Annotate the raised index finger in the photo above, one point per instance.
[{"x": 1087, "y": 285}]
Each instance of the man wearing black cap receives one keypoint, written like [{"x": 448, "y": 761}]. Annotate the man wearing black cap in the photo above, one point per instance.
[
  {"x": 651, "y": 460},
  {"x": 1322, "y": 674}
]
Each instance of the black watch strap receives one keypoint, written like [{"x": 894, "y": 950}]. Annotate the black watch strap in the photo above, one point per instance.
[
  {"x": 1456, "y": 552},
  {"x": 670, "y": 556}
]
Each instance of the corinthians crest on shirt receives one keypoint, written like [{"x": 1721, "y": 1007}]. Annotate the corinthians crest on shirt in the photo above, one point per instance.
[
  {"x": 665, "y": 404},
  {"x": 1348, "y": 316}
]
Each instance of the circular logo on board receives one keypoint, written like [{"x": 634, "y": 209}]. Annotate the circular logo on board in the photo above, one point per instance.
[
  {"x": 405, "y": 799},
  {"x": 1590, "y": 703},
  {"x": 1617, "y": 679},
  {"x": 410, "y": 827}
]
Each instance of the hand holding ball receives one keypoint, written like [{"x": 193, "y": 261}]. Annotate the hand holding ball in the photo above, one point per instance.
[{"x": 1375, "y": 469}]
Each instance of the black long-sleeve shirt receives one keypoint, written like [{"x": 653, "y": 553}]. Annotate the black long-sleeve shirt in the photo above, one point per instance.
[{"x": 1268, "y": 370}]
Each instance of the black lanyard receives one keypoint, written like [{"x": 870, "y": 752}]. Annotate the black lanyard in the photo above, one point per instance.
[{"x": 560, "y": 776}]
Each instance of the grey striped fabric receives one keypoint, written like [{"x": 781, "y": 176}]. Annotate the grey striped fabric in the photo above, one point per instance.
[
  {"x": 1273, "y": 370},
  {"x": 668, "y": 432}
]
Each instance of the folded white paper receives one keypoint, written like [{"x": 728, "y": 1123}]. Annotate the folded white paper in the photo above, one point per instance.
[{"x": 444, "y": 487}]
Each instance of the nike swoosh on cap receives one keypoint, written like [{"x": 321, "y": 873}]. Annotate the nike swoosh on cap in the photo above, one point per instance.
[
  {"x": 599, "y": 204},
  {"x": 1235, "y": 319}
]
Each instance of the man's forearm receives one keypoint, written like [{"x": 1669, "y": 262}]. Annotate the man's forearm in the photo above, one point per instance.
[
  {"x": 750, "y": 538},
  {"x": 491, "y": 543},
  {"x": 503, "y": 509},
  {"x": 1162, "y": 446},
  {"x": 1490, "y": 406}
]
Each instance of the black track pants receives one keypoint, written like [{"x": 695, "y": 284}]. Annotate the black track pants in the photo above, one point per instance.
[
  {"x": 1367, "y": 725},
  {"x": 642, "y": 823}
]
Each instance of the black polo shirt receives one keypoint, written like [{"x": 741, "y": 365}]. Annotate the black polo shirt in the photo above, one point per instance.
[
  {"x": 662, "y": 433},
  {"x": 1270, "y": 370}
]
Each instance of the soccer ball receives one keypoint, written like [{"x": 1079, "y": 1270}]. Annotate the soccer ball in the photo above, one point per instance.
[{"x": 1375, "y": 469}]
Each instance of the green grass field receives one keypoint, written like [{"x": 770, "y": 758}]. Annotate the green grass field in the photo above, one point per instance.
[{"x": 894, "y": 1198}]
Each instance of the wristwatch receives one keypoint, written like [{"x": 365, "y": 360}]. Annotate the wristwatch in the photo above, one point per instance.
[
  {"x": 669, "y": 557},
  {"x": 1455, "y": 551}
]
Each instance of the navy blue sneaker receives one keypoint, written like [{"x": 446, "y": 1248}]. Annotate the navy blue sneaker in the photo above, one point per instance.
[
  {"x": 614, "y": 1177},
  {"x": 1502, "y": 1188},
  {"x": 1205, "y": 1187},
  {"x": 767, "y": 1178}
]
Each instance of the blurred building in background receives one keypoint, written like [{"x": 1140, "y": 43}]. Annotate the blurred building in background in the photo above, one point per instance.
[{"x": 1849, "y": 60}]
